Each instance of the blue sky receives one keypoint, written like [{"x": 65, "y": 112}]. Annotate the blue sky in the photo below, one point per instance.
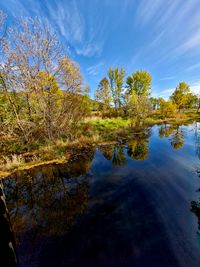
[{"x": 161, "y": 36}]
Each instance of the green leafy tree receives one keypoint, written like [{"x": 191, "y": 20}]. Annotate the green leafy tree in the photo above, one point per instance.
[
  {"x": 198, "y": 103},
  {"x": 139, "y": 108},
  {"x": 154, "y": 103},
  {"x": 181, "y": 96},
  {"x": 167, "y": 108},
  {"x": 103, "y": 95},
  {"x": 140, "y": 82},
  {"x": 116, "y": 80},
  {"x": 192, "y": 101},
  {"x": 138, "y": 90}
]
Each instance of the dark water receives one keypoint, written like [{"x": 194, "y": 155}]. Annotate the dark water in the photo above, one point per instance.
[{"x": 131, "y": 204}]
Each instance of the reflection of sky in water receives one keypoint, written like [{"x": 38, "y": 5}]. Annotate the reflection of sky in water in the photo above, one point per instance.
[
  {"x": 168, "y": 177},
  {"x": 134, "y": 212}
]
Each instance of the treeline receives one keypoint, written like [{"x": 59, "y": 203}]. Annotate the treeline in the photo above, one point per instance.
[
  {"x": 43, "y": 96},
  {"x": 131, "y": 96},
  {"x": 40, "y": 86}
]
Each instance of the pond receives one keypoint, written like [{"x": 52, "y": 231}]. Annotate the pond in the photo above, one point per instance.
[{"x": 135, "y": 203}]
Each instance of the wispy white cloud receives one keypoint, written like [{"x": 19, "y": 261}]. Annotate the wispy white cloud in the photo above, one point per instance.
[
  {"x": 147, "y": 10},
  {"x": 163, "y": 93},
  {"x": 157, "y": 39},
  {"x": 72, "y": 24},
  {"x": 189, "y": 45},
  {"x": 95, "y": 69},
  {"x": 16, "y": 8},
  {"x": 192, "y": 43},
  {"x": 68, "y": 18},
  {"x": 175, "y": 28},
  {"x": 193, "y": 67},
  {"x": 89, "y": 49},
  {"x": 170, "y": 7},
  {"x": 168, "y": 78}
]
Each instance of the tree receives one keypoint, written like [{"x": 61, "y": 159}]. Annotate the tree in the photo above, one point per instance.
[
  {"x": 198, "y": 103},
  {"x": 69, "y": 76},
  {"x": 192, "y": 101},
  {"x": 167, "y": 108},
  {"x": 41, "y": 85},
  {"x": 154, "y": 102},
  {"x": 139, "y": 107},
  {"x": 116, "y": 80},
  {"x": 140, "y": 82},
  {"x": 102, "y": 94},
  {"x": 181, "y": 96},
  {"x": 138, "y": 90}
]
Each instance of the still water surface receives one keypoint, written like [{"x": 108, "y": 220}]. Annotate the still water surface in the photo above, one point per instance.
[{"x": 131, "y": 204}]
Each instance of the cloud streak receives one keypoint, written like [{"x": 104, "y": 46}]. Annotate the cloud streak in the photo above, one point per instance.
[
  {"x": 85, "y": 36},
  {"x": 168, "y": 78},
  {"x": 193, "y": 67},
  {"x": 95, "y": 69}
]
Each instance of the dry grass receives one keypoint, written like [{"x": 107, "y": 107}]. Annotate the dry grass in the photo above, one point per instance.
[
  {"x": 58, "y": 151},
  {"x": 13, "y": 161}
]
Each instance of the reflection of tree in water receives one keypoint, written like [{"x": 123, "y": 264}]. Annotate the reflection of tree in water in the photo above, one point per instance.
[
  {"x": 114, "y": 152},
  {"x": 119, "y": 157},
  {"x": 177, "y": 140},
  {"x": 195, "y": 206},
  {"x": 45, "y": 201},
  {"x": 138, "y": 147},
  {"x": 138, "y": 150},
  {"x": 175, "y": 133},
  {"x": 107, "y": 151},
  {"x": 165, "y": 131}
]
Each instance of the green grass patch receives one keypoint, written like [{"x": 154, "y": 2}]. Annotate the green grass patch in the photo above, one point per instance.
[{"x": 110, "y": 124}]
